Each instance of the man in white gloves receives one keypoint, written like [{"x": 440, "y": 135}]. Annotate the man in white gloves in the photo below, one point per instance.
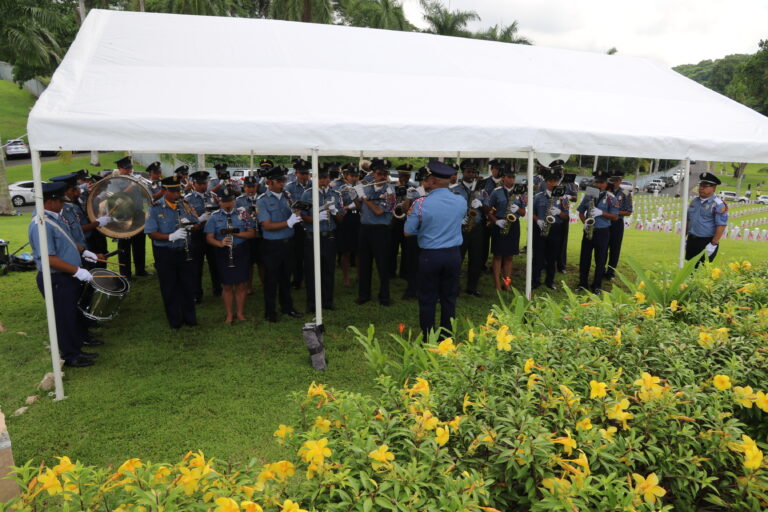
[
  {"x": 546, "y": 249},
  {"x": 707, "y": 219},
  {"x": 603, "y": 207},
  {"x": 473, "y": 224},
  {"x": 330, "y": 202},
  {"x": 202, "y": 202},
  {"x": 277, "y": 221},
  {"x": 64, "y": 259},
  {"x": 173, "y": 255}
]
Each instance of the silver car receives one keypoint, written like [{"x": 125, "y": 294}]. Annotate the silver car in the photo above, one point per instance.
[
  {"x": 22, "y": 193},
  {"x": 16, "y": 148}
]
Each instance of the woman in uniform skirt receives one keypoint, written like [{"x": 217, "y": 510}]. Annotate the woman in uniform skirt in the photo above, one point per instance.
[
  {"x": 229, "y": 230},
  {"x": 503, "y": 246},
  {"x": 348, "y": 232}
]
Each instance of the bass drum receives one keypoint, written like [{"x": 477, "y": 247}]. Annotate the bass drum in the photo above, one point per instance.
[
  {"x": 124, "y": 198},
  {"x": 101, "y": 297}
]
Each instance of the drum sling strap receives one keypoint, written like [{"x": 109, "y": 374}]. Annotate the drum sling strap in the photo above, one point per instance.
[{"x": 55, "y": 225}]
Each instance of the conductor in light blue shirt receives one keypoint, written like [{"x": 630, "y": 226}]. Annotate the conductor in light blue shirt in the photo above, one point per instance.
[{"x": 435, "y": 220}]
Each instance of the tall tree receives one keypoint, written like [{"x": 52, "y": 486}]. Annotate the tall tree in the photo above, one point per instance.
[
  {"x": 754, "y": 74},
  {"x": 445, "y": 22},
  {"x": 316, "y": 11},
  {"x": 504, "y": 34},
  {"x": 387, "y": 14}
]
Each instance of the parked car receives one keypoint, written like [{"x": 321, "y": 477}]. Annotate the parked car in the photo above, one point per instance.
[
  {"x": 16, "y": 148},
  {"x": 762, "y": 199},
  {"x": 627, "y": 186},
  {"x": 742, "y": 199},
  {"x": 22, "y": 192},
  {"x": 728, "y": 196},
  {"x": 669, "y": 181},
  {"x": 653, "y": 186}
]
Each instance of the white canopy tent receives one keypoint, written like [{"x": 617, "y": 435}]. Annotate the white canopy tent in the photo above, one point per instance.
[{"x": 194, "y": 84}]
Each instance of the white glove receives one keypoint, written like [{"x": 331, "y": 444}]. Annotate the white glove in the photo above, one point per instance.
[
  {"x": 323, "y": 215},
  {"x": 421, "y": 191},
  {"x": 360, "y": 190},
  {"x": 293, "y": 220},
  {"x": 390, "y": 191},
  {"x": 228, "y": 240},
  {"x": 204, "y": 217},
  {"x": 502, "y": 223},
  {"x": 89, "y": 256},
  {"x": 596, "y": 212},
  {"x": 103, "y": 221},
  {"x": 541, "y": 224},
  {"x": 83, "y": 275},
  {"x": 555, "y": 211},
  {"x": 464, "y": 221},
  {"x": 514, "y": 208},
  {"x": 476, "y": 203},
  {"x": 179, "y": 234},
  {"x": 710, "y": 248},
  {"x": 333, "y": 210}
]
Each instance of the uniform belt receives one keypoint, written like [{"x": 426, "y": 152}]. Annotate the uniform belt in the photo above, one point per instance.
[
  {"x": 443, "y": 248},
  {"x": 168, "y": 247}
]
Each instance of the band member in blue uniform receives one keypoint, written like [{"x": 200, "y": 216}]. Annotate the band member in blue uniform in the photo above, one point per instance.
[
  {"x": 67, "y": 275},
  {"x": 295, "y": 191},
  {"x": 135, "y": 244},
  {"x": 376, "y": 203},
  {"x": 168, "y": 225},
  {"x": 182, "y": 172},
  {"x": 348, "y": 232},
  {"x": 473, "y": 224},
  {"x": 222, "y": 179},
  {"x": 547, "y": 236},
  {"x": 229, "y": 231},
  {"x": 624, "y": 202},
  {"x": 155, "y": 177},
  {"x": 604, "y": 211},
  {"x": 397, "y": 239},
  {"x": 707, "y": 219},
  {"x": 436, "y": 220},
  {"x": 505, "y": 230},
  {"x": 247, "y": 201},
  {"x": 72, "y": 214},
  {"x": 330, "y": 217},
  {"x": 94, "y": 239},
  {"x": 277, "y": 222},
  {"x": 572, "y": 195},
  {"x": 203, "y": 202}
]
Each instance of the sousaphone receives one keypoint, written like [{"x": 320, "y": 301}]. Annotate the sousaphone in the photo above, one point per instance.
[{"x": 124, "y": 198}]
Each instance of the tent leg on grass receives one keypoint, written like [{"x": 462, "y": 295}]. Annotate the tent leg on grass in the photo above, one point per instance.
[
  {"x": 684, "y": 223},
  {"x": 313, "y": 332},
  {"x": 529, "y": 234},
  {"x": 47, "y": 286}
]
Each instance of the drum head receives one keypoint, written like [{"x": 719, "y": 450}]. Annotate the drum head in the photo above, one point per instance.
[
  {"x": 107, "y": 281},
  {"x": 125, "y": 199}
]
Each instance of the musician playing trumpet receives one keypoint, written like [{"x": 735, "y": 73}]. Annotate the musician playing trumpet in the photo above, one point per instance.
[
  {"x": 504, "y": 214},
  {"x": 550, "y": 215},
  {"x": 228, "y": 230},
  {"x": 596, "y": 212}
]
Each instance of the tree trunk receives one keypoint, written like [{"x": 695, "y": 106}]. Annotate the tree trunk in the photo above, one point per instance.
[
  {"x": 306, "y": 15},
  {"x": 95, "y": 158},
  {"x": 141, "y": 5},
  {"x": 6, "y": 208}
]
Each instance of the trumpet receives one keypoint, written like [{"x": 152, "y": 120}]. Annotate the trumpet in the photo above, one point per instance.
[
  {"x": 589, "y": 221},
  {"x": 401, "y": 192}
]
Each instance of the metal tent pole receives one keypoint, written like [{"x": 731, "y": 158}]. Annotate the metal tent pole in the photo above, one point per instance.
[
  {"x": 46, "y": 270},
  {"x": 684, "y": 224},
  {"x": 529, "y": 234},
  {"x": 316, "y": 236}
]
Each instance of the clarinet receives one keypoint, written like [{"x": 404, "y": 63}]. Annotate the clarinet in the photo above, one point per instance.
[
  {"x": 182, "y": 224},
  {"x": 232, "y": 245}
]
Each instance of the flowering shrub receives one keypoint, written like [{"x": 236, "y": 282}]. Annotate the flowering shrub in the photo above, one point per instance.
[{"x": 612, "y": 402}]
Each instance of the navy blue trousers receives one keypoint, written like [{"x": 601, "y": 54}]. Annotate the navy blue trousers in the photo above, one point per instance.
[
  {"x": 70, "y": 329},
  {"x": 438, "y": 281},
  {"x": 598, "y": 245},
  {"x": 177, "y": 285},
  {"x": 614, "y": 246}
]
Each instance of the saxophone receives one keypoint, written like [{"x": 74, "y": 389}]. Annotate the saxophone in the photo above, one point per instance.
[
  {"x": 589, "y": 221},
  {"x": 549, "y": 219},
  {"x": 471, "y": 216},
  {"x": 509, "y": 216}
]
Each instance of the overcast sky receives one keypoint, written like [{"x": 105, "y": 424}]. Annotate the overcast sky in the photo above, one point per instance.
[{"x": 670, "y": 31}]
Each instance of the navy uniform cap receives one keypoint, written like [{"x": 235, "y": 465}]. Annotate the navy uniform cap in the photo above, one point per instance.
[
  {"x": 468, "y": 164},
  {"x": 709, "y": 179},
  {"x": 154, "y": 166},
  {"x": 249, "y": 181},
  {"x": 220, "y": 166},
  {"x": 508, "y": 171},
  {"x": 266, "y": 163},
  {"x": 82, "y": 174},
  {"x": 182, "y": 169},
  {"x": 69, "y": 180},
  {"x": 323, "y": 172},
  {"x": 379, "y": 164},
  {"x": 54, "y": 190},
  {"x": 497, "y": 163},
  {"x": 616, "y": 176},
  {"x": 405, "y": 167},
  {"x": 227, "y": 194},
  {"x": 276, "y": 173},
  {"x": 125, "y": 163},
  {"x": 440, "y": 170},
  {"x": 351, "y": 169},
  {"x": 557, "y": 165},
  {"x": 601, "y": 176},
  {"x": 199, "y": 176},
  {"x": 171, "y": 182}
]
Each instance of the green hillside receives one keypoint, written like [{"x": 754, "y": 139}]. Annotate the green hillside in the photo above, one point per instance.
[{"x": 15, "y": 104}]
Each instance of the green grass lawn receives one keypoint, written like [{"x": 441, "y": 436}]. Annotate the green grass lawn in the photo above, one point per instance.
[
  {"x": 15, "y": 104},
  {"x": 156, "y": 393},
  {"x": 58, "y": 167}
]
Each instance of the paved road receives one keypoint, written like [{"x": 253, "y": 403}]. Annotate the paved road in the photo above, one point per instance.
[{"x": 21, "y": 161}]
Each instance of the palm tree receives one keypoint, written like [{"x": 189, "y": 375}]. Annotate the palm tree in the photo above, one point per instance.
[
  {"x": 202, "y": 7},
  {"x": 447, "y": 23},
  {"x": 386, "y": 14},
  {"x": 28, "y": 34},
  {"x": 504, "y": 34},
  {"x": 316, "y": 11}
]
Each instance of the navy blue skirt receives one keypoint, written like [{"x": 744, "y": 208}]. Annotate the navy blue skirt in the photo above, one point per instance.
[
  {"x": 348, "y": 233},
  {"x": 242, "y": 260},
  {"x": 508, "y": 245}
]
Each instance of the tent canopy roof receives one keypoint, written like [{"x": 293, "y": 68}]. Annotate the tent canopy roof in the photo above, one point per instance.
[{"x": 196, "y": 84}]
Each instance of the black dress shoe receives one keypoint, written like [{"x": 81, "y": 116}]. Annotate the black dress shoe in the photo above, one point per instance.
[
  {"x": 78, "y": 362},
  {"x": 361, "y": 300},
  {"x": 88, "y": 355},
  {"x": 551, "y": 286},
  {"x": 272, "y": 318},
  {"x": 198, "y": 300},
  {"x": 535, "y": 285},
  {"x": 293, "y": 313},
  {"x": 474, "y": 293},
  {"x": 92, "y": 343},
  {"x": 597, "y": 291},
  {"x": 296, "y": 286},
  {"x": 582, "y": 288},
  {"x": 144, "y": 273}
]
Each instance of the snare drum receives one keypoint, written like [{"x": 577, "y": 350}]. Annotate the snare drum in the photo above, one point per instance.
[{"x": 101, "y": 297}]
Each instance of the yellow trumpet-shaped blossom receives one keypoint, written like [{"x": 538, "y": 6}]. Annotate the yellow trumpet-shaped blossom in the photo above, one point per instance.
[
  {"x": 226, "y": 505},
  {"x": 618, "y": 412},
  {"x": 250, "y": 506},
  {"x": 722, "y": 382},
  {"x": 130, "y": 466},
  {"x": 445, "y": 347},
  {"x": 529, "y": 365},
  {"x": 64, "y": 466},
  {"x": 290, "y": 506},
  {"x": 282, "y": 433},
  {"x": 50, "y": 482},
  {"x": 648, "y": 487},
  {"x": 649, "y": 312},
  {"x": 441, "y": 436},
  {"x": 716, "y": 273},
  {"x": 744, "y": 396},
  {"x": 504, "y": 339},
  {"x": 322, "y": 424},
  {"x": 597, "y": 389},
  {"x": 420, "y": 388},
  {"x": 761, "y": 401},
  {"x": 608, "y": 433},
  {"x": 567, "y": 441},
  {"x": 584, "y": 424},
  {"x": 753, "y": 456},
  {"x": 533, "y": 380},
  {"x": 315, "y": 451},
  {"x": 640, "y": 297},
  {"x": 591, "y": 330},
  {"x": 382, "y": 457},
  {"x": 649, "y": 387}
]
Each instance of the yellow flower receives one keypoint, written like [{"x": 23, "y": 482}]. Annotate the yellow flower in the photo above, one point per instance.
[
  {"x": 441, "y": 436},
  {"x": 282, "y": 469},
  {"x": 648, "y": 488},
  {"x": 318, "y": 390},
  {"x": 467, "y": 402},
  {"x": 744, "y": 396},
  {"x": 445, "y": 347},
  {"x": 471, "y": 335},
  {"x": 722, "y": 382},
  {"x": 65, "y": 465},
  {"x": 557, "y": 486},
  {"x": 322, "y": 424},
  {"x": 641, "y": 286},
  {"x": 649, "y": 312},
  {"x": 716, "y": 273},
  {"x": 249, "y": 506},
  {"x": 162, "y": 473},
  {"x": 529, "y": 365},
  {"x": 427, "y": 420},
  {"x": 490, "y": 320},
  {"x": 420, "y": 388},
  {"x": 753, "y": 457},
  {"x": 735, "y": 266},
  {"x": 608, "y": 433},
  {"x": 721, "y": 334},
  {"x": 649, "y": 387},
  {"x": 51, "y": 483},
  {"x": 226, "y": 505},
  {"x": 640, "y": 297},
  {"x": 761, "y": 400},
  {"x": 618, "y": 412},
  {"x": 381, "y": 457},
  {"x": 315, "y": 451},
  {"x": 290, "y": 506},
  {"x": 674, "y": 306},
  {"x": 749, "y": 288},
  {"x": 745, "y": 265},
  {"x": 504, "y": 339},
  {"x": 584, "y": 424},
  {"x": 597, "y": 389},
  {"x": 283, "y": 432},
  {"x": 130, "y": 466},
  {"x": 617, "y": 337},
  {"x": 533, "y": 380},
  {"x": 705, "y": 339},
  {"x": 568, "y": 395},
  {"x": 595, "y": 332},
  {"x": 568, "y": 443}
]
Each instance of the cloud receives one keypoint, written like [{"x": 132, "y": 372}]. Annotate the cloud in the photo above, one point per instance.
[{"x": 672, "y": 32}]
